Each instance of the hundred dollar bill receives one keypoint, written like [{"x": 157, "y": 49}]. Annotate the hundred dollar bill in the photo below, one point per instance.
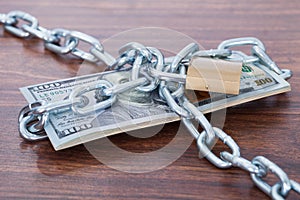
[{"x": 135, "y": 110}]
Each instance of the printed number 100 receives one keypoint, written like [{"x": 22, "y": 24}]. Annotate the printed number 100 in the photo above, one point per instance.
[{"x": 263, "y": 81}]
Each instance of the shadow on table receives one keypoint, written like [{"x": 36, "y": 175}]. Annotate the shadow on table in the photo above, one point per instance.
[{"x": 55, "y": 163}]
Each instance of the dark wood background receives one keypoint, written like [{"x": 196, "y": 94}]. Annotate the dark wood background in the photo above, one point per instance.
[{"x": 268, "y": 127}]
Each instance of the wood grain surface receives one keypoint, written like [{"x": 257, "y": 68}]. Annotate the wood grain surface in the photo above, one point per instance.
[{"x": 268, "y": 127}]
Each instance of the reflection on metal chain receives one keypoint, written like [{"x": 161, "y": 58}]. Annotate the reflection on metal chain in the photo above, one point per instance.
[{"x": 150, "y": 70}]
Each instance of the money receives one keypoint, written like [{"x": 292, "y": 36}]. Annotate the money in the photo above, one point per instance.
[{"x": 135, "y": 110}]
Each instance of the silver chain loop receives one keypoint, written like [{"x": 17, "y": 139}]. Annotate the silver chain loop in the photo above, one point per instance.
[
  {"x": 4, "y": 19},
  {"x": 276, "y": 194},
  {"x": 241, "y": 42},
  {"x": 95, "y": 44},
  {"x": 149, "y": 70},
  {"x": 238, "y": 161},
  {"x": 80, "y": 91},
  {"x": 258, "y": 54},
  {"x": 267, "y": 165},
  {"x": 186, "y": 52},
  {"x": 258, "y": 168},
  {"x": 19, "y": 15},
  {"x": 209, "y": 134},
  {"x": 206, "y": 152},
  {"x": 56, "y": 47},
  {"x": 40, "y": 32},
  {"x": 35, "y": 131}
]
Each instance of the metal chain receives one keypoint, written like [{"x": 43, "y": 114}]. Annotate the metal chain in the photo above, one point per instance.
[
  {"x": 53, "y": 38},
  {"x": 149, "y": 70}
]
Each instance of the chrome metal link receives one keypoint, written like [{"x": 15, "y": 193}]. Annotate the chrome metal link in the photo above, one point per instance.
[
  {"x": 173, "y": 95},
  {"x": 95, "y": 44},
  {"x": 166, "y": 76},
  {"x": 178, "y": 91},
  {"x": 241, "y": 42},
  {"x": 158, "y": 64},
  {"x": 275, "y": 191},
  {"x": 258, "y": 54},
  {"x": 137, "y": 47},
  {"x": 103, "y": 56},
  {"x": 124, "y": 87},
  {"x": 264, "y": 163},
  {"x": 265, "y": 59},
  {"x": 4, "y": 19},
  {"x": 59, "y": 106},
  {"x": 214, "y": 53},
  {"x": 137, "y": 68},
  {"x": 27, "y": 131},
  {"x": 205, "y": 151},
  {"x": 125, "y": 58},
  {"x": 31, "y": 127},
  {"x": 241, "y": 162},
  {"x": 55, "y": 47},
  {"x": 259, "y": 168},
  {"x": 19, "y": 15},
  {"x": 186, "y": 52},
  {"x": 173, "y": 104},
  {"x": 286, "y": 74},
  {"x": 26, "y": 110},
  {"x": 176, "y": 95},
  {"x": 238, "y": 56},
  {"x": 87, "y": 109},
  {"x": 41, "y": 33},
  {"x": 143, "y": 62},
  {"x": 210, "y": 136}
]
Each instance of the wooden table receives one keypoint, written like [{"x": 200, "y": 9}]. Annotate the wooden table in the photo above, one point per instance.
[{"x": 268, "y": 127}]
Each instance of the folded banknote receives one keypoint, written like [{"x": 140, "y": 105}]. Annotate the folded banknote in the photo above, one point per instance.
[{"x": 134, "y": 109}]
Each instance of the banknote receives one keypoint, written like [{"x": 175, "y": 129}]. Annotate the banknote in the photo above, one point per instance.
[{"x": 134, "y": 109}]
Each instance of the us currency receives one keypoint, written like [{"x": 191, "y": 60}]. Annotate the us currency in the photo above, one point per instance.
[{"x": 135, "y": 110}]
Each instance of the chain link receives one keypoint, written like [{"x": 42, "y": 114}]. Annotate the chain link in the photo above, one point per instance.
[
  {"x": 56, "y": 47},
  {"x": 36, "y": 130},
  {"x": 258, "y": 54},
  {"x": 82, "y": 37},
  {"x": 4, "y": 19},
  {"x": 19, "y": 31},
  {"x": 149, "y": 70}
]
